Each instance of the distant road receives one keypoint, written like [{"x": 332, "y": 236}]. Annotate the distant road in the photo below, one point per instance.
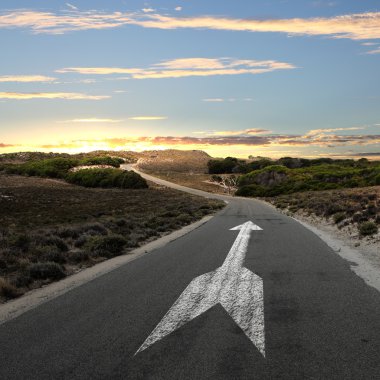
[{"x": 267, "y": 300}]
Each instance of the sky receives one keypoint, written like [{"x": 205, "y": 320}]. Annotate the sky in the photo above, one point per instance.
[{"x": 239, "y": 78}]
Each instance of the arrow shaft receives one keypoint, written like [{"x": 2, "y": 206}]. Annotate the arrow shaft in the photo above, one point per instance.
[{"x": 236, "y": 255}]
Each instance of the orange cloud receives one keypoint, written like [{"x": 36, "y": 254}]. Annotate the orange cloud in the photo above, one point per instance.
[
  {"x": 186, "y": 67},
  {"x": 26, "y": 78},
  {"x": 2, "y": 145},
  {"x": 50, "y": 95},
  {"x": 358, "y": 26}
]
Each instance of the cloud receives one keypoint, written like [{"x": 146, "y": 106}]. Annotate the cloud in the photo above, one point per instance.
[
  {"x": 213, "y": 100},
  {"x": 26, "y": 78},
  {"x": 245, "y": 132},
  {"x": 315, "y": 132},
  {"x": 2, "y": 145},
  {"x": 178, "y": 9},
  {"x": 73, "y": 7},
  {"x": 148, "y": 10},
  {"x": 246, "y": 140},
  {"x": 50, "y": 95},
  {"x": 187, "y": 67},
  {"x": 148, "y": 118},
  {"x": 221, "y": 100},
  {"x": 374, "y": 51},
  {"x": 368, "y": 154},
  {"x": 359, "y": 26},
  {"x": 322, "y": 4},
  {"x": 93, "y": 120}
]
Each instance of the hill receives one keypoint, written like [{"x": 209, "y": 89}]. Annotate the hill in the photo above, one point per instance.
[{"x": 172, "y": 160}]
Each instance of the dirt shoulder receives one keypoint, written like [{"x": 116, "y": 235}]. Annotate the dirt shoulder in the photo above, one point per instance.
[{"x": 338, "y": 217}]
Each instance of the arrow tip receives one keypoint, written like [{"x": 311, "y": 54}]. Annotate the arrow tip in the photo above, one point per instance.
[{"x": 249, "y": 224}]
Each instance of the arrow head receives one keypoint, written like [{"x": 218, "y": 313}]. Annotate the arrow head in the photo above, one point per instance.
[{"x": 249, "y": 225}]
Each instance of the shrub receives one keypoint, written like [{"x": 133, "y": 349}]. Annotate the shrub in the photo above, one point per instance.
[
  {"x": 225, "y": 166},
  {"x": 368, "y": 228},
  {"x": 56, "y": 242},
  {"x": 53, "y": 167},
  {"x": 107, "y": 246},
  {"x": 79, "y": 257},
  {"x": 52, "y": 254},
  {"x": 107, "y": 178},
  {"x": 115, "y": 162},
  {"x": 340, "y": 216},
  {"x": 44, "y": 271},
  {"x": 7, "y": 290}
]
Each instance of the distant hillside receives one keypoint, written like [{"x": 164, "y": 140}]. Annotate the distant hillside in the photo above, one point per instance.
[{"x": 171, "y": 160}]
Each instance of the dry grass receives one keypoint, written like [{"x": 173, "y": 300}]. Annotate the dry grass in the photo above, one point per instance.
[
  {"x": 49, "y": 229},
  {"x": 176, "y": 161},
  {"x": 194, "y": 180}
]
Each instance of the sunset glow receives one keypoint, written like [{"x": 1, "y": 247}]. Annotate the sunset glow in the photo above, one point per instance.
[{"x": 272, "y": 79}]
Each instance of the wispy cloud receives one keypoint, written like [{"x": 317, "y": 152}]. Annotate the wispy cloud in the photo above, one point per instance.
[
  {"x": 2, "y": 145},
  {"x": 71, "y": 6},
  {"x": 358, "y": 26},
  {"x": 203, "y": 142},
  {"x": 148, "y": 118},
  {"x": 178, "y": 9},
  {"x": 50, "y": 95},
  {"x": 316, "y": 132},
  {"x": 187, "y": 67},
  {"x": 26, "y": 78},
  {"x": 245, "y": 132},
  {"x": 323, "y": 4},
  {"x": 374, "y": 51},
  {"x": 221, "y": 100},
  {"x": 213, "y": 100},
  {"x": 93, "y": 120}
]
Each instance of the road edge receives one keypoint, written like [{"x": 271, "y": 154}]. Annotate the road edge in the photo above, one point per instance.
[
  {"x": 14, "y": 308},
  {"x": 360, "y": 265}
]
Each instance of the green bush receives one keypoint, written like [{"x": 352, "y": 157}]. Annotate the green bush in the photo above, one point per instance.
[
  {"x": 277, "y": 180},
  {"x": 52, "y": 168},
  {"x": 368, "y": 228},
  {"x": 58, "y": 167},
  {"x": 339, "y": 217},
  {"x": 107, "y": 178},
  {"x": 111, "y": 161}
]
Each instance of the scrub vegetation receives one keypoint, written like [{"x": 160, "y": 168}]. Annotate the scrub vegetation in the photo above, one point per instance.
[
  {"x": 348, "y": 207},
  {"x": 104, "y": 173},
  {"x": 50, "y": 229}
]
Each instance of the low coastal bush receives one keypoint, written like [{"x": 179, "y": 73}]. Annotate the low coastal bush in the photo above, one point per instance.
[
  {"x": 44, "y": 271},
  {"x": 51, "y": 168},
  {"x": 107, "y": 246},
  {"x": 277, "y": 180},
  {"x": 58, "y": 167},
  {"x": 107, "y": 178},
  {"x": 368, "y": 228}
]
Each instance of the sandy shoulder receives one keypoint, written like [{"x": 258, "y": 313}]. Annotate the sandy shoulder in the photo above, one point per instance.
[{"x": 362, "y": 254}]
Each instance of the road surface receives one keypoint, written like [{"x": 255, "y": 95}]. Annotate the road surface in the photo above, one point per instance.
[{"x": 172, "y": 314}]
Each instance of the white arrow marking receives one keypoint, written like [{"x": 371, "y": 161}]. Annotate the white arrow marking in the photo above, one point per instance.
[{"x": 236, "y": 288}]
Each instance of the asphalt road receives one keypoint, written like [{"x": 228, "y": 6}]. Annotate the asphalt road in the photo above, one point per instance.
[{"x": 321, "y": 320}]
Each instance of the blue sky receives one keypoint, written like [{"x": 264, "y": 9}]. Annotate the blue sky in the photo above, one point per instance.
[{"x": 241, "y": 78}]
